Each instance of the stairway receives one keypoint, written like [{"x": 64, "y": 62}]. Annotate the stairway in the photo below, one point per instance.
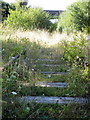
[{"x": 50, "y": 67}]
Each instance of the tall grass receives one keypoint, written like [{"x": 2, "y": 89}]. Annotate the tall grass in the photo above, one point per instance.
[
  {"x": 42, "y": 36},
  {"x": 33, "y": 45},
  {"x": 51, "y": 41}
]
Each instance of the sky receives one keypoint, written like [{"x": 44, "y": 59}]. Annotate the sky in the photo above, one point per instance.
[{"x": 48, "y": 4}]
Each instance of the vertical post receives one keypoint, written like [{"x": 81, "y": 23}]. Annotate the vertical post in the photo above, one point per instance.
[{"x": 88, "y": 38}]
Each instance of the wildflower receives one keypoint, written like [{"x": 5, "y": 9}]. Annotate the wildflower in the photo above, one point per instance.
[
  {"x": 43, "y": 94},
  {"x": 13, "y": 57},
  {"x": 32, "y": 69},
  {"x": 12, "y": 102},
  {"x": 14, "y": 93},
  {"x": 49, "y": 76}
]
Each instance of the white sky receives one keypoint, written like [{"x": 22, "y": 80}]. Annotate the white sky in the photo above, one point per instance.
[{"x": 48, "y": 4}]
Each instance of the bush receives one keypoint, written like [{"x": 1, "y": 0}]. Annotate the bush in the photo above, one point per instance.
[
  {"x": 4, "y": 9},
  {"x": 78, "y": 82},
  {"x": 21, "y": 68},
  {"x": 53, "y": 27},
  {"x": 13, "y": 109},
  {"x": 76, "y": 17},
  {"x": 76, "y": 50},
  {"x": 31, "y": 18}
]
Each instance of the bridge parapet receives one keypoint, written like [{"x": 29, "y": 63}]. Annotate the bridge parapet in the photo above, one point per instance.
[{"x": 54, "y": 13}]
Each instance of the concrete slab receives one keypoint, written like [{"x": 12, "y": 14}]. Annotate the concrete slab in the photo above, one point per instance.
[
  {"x": 61, "y": 73},
  {"x": 46, "y": 60},
  {"x": 52, "y": 84},
  {"x": 49, "y": 65},
  {"x": 54, "y": 100}
]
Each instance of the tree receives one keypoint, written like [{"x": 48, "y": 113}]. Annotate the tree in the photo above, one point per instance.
[
  {"x": 76, "y": 17},
  {"x": 4, "y": 9},
  {"x": 31, "y": 18},
  {"x": 20, "y": 3}
]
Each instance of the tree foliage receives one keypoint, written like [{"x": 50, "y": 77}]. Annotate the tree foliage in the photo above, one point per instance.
[
  {"x": 76, "y": 17},
  {"x": 4, "y": 9},
  {"x": 20, "y": 3},
  {"x": 28, "y": 18}
]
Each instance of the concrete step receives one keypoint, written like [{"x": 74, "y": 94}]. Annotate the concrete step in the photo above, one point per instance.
[
  {"x": 50, "y": 61},
  {"x": 49, "y": 65},
  {"x": 61, "y": 73},
  {"x": 46, "y": 60},
  {"x": 51, "y": 69},
  {"x": 52, "y": 84},
  {"x": 53, "y": 100}
]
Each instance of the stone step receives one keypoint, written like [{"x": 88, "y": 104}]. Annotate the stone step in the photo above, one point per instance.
[
  {"x": 48, "y": 65},
  {"x": 51, "y": 84},
  {"x": 51, "y": 69},
  {"x": 61, "y": 73},
  {"x": 46, "y": 60},
  {"x": 53, "y": 100},
  {"x": 50, "y": 61}
]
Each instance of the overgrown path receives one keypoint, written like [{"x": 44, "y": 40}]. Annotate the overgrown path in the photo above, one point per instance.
[{"x": 51, "y": 68}]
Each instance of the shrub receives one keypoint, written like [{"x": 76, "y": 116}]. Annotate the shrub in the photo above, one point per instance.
[
  {"x": 78, "y": 81},
  {"x": 52, "y": 27},
  {"x": 21, "y": 68},
  {"x": 76, "y": 17},
  {"x": 4, "y": 9},
  {"x": 31, "y": 18},
  {"x": 76, "y": 50}
]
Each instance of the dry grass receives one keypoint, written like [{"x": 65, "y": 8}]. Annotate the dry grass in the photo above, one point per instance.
[
  {"x": 55, "y": 41},
  {"x": 41, "y": 36}
]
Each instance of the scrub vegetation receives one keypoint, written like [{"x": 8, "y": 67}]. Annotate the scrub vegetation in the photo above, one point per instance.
[{"x": 31, "y": 44}]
